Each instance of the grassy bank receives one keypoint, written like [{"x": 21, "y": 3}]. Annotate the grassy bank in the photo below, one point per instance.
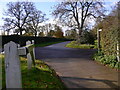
[
  {"x": 40, "y": 76},
  {"x": 73, "y": 44}
]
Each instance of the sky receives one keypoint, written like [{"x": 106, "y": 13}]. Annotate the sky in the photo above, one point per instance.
[{"x": 45, "y": 6}]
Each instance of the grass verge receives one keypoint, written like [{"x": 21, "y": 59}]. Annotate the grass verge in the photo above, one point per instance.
[
  {"x": 40, "y": 76},
  {"x": 74, "y": 44}
]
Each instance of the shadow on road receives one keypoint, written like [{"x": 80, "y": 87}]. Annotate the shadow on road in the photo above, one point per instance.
[{"x": 75, "y": 81}]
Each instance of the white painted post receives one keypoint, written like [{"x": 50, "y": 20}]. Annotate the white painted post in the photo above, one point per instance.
[
  {"x": 29, "y": 57},
  {"x": 18, "y": 45},
  {"x": 12, "y": 66},
  {"x": 28, "y": 42},
  {"x": 98, "y": 38},
  {"x": 118, "y": 52},
  {"x": 33, "y": 42},
  {"x": 29, "y": 61}
]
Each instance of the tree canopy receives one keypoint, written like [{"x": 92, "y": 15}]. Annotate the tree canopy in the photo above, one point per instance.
[
  {"x": 22, "y": 16},
  {"x": 76, "y": 13}
]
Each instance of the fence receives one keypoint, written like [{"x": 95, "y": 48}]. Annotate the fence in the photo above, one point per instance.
[{"x": 12, "y": 62}]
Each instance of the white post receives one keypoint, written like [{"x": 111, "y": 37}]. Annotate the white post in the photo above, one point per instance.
[
  {"x": 29, "y": 61},
  {"x": 98, "y": 38},
  {"x": 33, "y": 42},
  {"x": 28, "y": 43},
  {"x": 18, "y": 45},
  {"x": 12, "y": 66},
  {"x": 118, "y": 52},
  {"x": 29, "y": 57}
]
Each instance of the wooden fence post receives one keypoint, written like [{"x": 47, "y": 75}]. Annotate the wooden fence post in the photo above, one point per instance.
[{"x": 12, "y": 66}]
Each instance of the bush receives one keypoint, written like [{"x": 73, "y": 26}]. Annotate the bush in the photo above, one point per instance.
[
  {"x": 109, "y": 36},
  {"x": 87, "y": 38},
  {"x": 109, "y": 60},
  {"x": 95, "y": 43}
]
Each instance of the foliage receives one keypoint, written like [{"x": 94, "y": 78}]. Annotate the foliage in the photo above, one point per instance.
[
  {"x": 40, "y": 76},
  {"x": 109, "y": 39},
  {"x": 109, "y": 60},
  {"x": 28, "y": 34},
  {"x": 58, "y": 32},
  {"x": 87, "y": 38},
  {"x": 76, "y": 14},
  {"x": 51, "y": 33},
  {"x": 71, "y": 34},
  {"x": 95, "y": 43},
  {"x": 41, "y": 34},
  {"x": 74, "y": 44},
  {"x": 109, "y": 36}
]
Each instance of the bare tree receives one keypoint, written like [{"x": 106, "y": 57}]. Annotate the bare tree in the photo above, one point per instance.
[
  {"x": 7, "y": 27},
  {"x": 18, "y": 15},
  {"x": 36, "y": 18},
  {"x": 78, "y": 11}
]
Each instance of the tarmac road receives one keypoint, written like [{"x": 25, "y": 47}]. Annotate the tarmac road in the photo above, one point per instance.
[{"x": 76, "y": 68}]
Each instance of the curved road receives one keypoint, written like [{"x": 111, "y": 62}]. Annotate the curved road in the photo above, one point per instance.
[{"x": 76, "y": 68}]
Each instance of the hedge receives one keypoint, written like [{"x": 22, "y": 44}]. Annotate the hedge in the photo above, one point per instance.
[
  {"x": 110, "y": 36},
  {"x": 22, "y": 39}
]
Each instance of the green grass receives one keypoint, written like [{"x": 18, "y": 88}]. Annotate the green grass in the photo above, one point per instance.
[
  {"x": 40, "y": 76},
  {"x": 74, "y": 44},
  {"x": 47, "y": 43}
]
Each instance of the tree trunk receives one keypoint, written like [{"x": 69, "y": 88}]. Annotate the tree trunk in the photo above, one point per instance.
[
  {"x": 35, "y": 33},
  {"x": 79, "y": 35},
  {"x": 20, "y": 31}
]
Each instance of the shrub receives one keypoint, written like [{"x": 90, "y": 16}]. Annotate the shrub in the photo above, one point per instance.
[
  {"x": 109, "y": 60},
  {"x": 87, "y": 38},
  {"x": 95, "y": 43}
]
